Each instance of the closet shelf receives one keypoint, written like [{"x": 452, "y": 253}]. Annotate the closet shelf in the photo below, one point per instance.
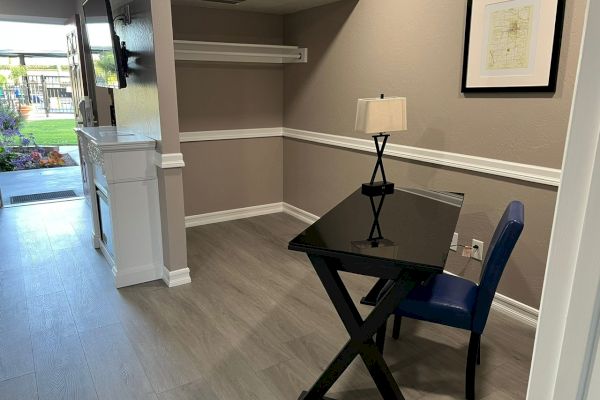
[{"x": 239, "y": 52}]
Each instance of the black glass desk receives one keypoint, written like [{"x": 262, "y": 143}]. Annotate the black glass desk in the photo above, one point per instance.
[{"x": 403, "y": 237}]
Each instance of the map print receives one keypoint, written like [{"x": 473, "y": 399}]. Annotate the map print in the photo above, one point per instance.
[{"x": 510, "y": 38}]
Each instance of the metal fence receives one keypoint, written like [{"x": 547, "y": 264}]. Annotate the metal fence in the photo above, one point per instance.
[{"x": 47, "y": 94}]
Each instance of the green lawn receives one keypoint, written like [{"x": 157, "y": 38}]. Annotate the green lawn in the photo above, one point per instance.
[{"x": 51, "y": 132}]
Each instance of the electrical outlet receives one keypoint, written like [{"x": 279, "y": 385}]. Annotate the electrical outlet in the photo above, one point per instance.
[
  {"x": 477, "y": 251},
  {"x": 454, "y": 244}
]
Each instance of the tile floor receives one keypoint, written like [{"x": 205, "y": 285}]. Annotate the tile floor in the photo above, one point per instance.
[{"x": 255, "y": 322}]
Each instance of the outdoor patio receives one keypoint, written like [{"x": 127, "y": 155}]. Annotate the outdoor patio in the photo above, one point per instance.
[{"x": 43, "y": 180}]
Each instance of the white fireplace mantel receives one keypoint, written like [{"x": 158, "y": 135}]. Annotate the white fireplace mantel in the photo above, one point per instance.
[{"x": 122, "y": 189}]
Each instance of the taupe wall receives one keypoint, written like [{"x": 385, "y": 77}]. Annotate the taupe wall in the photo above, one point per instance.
[
  {"x": 222, "y": 96},
  {"x": 215, "y": 96},
  {"x": 228, "y": 174},
  {"x": 414, "y": 49},
  {"x": 198, "y": 23}
]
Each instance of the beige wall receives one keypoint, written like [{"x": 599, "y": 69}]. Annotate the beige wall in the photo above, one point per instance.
[
  {"x": 414, "y": 49},
  {"x": 220, "y": 96},
  {"x": 198, "y": 23},
  {"x": 215, "y": 96},
  {"x": 227, "y": 174}
]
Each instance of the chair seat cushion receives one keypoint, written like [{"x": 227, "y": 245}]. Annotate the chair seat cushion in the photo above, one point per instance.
[{"x": 445, "y": 299}]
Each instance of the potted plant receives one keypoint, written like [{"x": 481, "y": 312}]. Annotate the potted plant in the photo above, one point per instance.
[
  {"x": 17, "y": 73},
  {"x": 15, "y": 147}
]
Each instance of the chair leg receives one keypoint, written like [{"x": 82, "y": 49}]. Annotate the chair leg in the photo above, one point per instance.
[
  {"x": 479, "y": 351},
  {"x": 397, "y": 323},
  {"x": 471, "y": 365},
  {"x": 380, "y": 337}
]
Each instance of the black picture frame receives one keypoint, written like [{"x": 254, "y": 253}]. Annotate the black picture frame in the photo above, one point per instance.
[{"x": 554, "y": 62}]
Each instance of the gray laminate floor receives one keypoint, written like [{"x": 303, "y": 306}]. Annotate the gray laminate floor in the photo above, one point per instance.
[{"x": 254, "y": 324}]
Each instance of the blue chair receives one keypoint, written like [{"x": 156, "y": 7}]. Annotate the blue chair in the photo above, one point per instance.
[{"x": 460, "y": 303}]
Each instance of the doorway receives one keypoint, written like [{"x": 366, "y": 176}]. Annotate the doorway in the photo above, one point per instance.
[{"x": 39, "y": 154}]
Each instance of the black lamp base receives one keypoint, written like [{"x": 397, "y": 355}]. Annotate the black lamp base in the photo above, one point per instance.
[{"x": 377, "y": 188}]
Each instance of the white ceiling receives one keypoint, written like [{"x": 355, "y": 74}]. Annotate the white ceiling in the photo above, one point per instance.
[{"x": 266, "y": 6}]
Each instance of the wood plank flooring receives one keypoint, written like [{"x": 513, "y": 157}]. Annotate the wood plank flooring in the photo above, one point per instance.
[{"x": 255, "y": 323}]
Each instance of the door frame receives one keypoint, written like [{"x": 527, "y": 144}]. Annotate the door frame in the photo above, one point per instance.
[{"x": 566, "y": 340}]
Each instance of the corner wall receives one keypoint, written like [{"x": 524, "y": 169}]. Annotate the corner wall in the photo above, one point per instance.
[
  {"x": 227, "y": 174},
  {"x": 414, "y": 49}
]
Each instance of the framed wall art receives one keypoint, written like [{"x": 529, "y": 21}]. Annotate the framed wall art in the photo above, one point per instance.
[{"x": 512, "y": 45}]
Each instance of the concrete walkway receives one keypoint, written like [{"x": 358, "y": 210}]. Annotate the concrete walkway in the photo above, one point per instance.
[{"x": 41, "y": 180}]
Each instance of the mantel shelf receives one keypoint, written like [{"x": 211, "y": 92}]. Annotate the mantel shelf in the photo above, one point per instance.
[{"x": 239, "y": 52}]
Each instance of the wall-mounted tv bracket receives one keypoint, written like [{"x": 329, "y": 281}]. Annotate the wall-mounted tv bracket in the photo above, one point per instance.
[
  {"x": 125, "y": 54},
  {"x": 124, "y": 16}
]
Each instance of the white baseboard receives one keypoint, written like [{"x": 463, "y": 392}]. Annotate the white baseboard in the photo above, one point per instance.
[
  {"x": 517, "y": 310},
  {"x": 136, "y": 275},
  {"x": 299, "y": 213},
  {"x": 513, "y": 308},
  {"x": 507, "y": 306},
  {"x": 177, "y": 277},
  {"x": 169, "y": 160},
  {"x": 231, "y": 215}
]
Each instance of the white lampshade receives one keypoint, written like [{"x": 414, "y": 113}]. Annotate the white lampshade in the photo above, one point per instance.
[{"x": 381, "y": 115}]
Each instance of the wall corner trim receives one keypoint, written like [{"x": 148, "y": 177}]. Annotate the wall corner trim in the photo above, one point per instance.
[
  {"x": 177, "y": 277},
  {"x": 299, "y": 213},
  {"x": 503, "y": 304},
  {"x": 489, "y": 166},
  {"x": 169, "y": 160}
]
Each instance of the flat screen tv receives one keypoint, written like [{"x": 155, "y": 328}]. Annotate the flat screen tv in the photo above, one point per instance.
[{"x": 109, "y": 56}]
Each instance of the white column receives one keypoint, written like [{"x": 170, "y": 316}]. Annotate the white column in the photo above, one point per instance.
[{"x": 566, "y": 337}]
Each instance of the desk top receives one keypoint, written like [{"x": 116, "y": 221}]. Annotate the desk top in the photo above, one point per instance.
[{"x": 415, "y": 228}]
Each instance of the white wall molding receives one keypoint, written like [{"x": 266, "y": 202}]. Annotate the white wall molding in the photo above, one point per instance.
[
  {"x": 169, "y": 160},
  {"x": 230, "y": 215},
  {"x": 177, "y": 277},
  {"x": 203, "y": 136},
  {"x": 506, "y": 305},
  {"x": 515, "y": 309},
  {"x": 489, "y": 166},
  {"x": 299, "y": 213}
]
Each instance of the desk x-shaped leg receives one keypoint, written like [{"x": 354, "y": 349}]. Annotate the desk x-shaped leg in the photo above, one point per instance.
[{"x": 361, "y": 332}]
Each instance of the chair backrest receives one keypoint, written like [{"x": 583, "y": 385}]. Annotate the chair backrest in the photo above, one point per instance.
[{"x": 501, "y": 246}]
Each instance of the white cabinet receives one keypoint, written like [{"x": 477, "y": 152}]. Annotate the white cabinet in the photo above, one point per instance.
[{"x": 123, "y": 194}]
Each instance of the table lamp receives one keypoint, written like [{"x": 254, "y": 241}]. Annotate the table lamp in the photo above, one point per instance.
[{"x": 380, "y": 116}]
